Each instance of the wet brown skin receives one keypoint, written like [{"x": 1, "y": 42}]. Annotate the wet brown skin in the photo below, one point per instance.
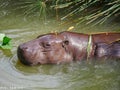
[{"x": 66, "y": 46}]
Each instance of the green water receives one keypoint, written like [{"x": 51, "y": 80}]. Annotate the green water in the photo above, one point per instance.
[{"x": 92, "y": 75}]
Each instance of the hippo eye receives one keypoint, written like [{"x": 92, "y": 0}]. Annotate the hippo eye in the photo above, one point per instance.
[
  {"x": 66, "y": 42},
  {"x": 46, "y": 45}
]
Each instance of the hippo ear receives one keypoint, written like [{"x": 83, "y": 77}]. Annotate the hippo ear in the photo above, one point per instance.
[{"x": 66, "y": 42}]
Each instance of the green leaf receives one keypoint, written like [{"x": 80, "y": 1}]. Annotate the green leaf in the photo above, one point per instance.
[
  {"x": 6, "y": 40},
  {"x": 2, "y": 36},
  {"x": 6, "y": 46}
]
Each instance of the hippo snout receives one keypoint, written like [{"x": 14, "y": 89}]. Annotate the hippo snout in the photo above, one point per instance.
[
  {"x": 21, "y": 54},
  {"x": 29, "y": 53}
]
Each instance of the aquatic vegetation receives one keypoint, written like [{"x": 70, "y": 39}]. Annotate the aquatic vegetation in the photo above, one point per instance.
[
  {"x": 25, "y": 7},
  {"x": 89, "y": 46},
  {"x": 33, "y": 7},
  {"x": 79, "y": 11},
  {"x": 90, "y": 11},
  {"x": 5, "y": 41}
]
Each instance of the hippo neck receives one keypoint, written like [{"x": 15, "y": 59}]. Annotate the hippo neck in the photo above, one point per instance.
[{"x": 78, "y": 44}]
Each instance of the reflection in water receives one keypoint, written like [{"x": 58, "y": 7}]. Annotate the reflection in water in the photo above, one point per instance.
[{"x": 95, "y": 75}]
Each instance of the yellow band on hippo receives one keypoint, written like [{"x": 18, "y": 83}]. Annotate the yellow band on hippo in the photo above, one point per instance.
[{"x": 89, "y": 46}]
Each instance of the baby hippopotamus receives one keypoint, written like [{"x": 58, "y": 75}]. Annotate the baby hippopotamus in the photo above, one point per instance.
[{"x": 67, "y": 46}]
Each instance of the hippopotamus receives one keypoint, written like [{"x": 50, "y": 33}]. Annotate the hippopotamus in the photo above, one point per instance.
[{"x": 65, "y": 47}]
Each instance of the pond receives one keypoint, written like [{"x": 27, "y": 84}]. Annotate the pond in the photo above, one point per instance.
[{"x": 92, "y": 75}]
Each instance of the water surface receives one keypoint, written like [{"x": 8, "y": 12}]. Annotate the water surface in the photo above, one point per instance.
[{"x": 92, "y": 75}]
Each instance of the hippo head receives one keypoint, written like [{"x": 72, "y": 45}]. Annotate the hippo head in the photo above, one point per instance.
[{"x": 45, "y": 49}]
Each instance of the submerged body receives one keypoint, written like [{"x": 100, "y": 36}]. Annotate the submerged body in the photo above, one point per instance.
[{"x": 65, "y": 47}]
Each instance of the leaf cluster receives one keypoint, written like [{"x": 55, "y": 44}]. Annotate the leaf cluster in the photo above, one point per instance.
[{"x": 5, "y": 42}]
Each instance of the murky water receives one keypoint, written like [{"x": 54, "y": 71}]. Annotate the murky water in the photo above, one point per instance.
[{"x": 92, "y": 75}]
